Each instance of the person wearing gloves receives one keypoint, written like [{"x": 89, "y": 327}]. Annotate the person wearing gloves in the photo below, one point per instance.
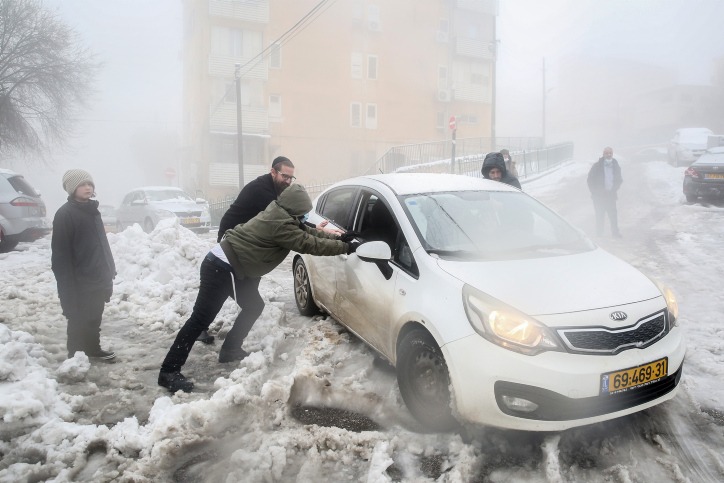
[
  {"x": 83, "y": 265},
  {"x": 245, "y": 253},
  {"x": 494, "y": 168}
]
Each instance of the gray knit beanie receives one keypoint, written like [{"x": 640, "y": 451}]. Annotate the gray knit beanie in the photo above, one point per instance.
[{"x": 74, "y": 178}]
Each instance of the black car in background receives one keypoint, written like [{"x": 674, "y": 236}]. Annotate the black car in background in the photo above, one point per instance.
[{"x": 705, "y": 177}]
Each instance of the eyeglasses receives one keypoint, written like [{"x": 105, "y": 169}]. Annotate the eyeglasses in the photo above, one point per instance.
[{"x": 286, "y": 177}]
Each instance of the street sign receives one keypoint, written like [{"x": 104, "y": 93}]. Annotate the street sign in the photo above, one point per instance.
[
  {"x": 170, "y": 173},
  {"x": 453, "y": 123}
]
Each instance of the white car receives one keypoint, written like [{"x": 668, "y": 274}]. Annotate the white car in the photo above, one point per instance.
[
  {"x": 148, "y": 205},
  {"x": 492, "y": 308},
  {"x": 688, "y": 144}
]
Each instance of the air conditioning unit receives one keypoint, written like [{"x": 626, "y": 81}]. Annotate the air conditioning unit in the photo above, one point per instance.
[
  {"x": 373, "y": 25},
  {"x": 443, "y": 95},
  {"x": 442, "y": 36}
]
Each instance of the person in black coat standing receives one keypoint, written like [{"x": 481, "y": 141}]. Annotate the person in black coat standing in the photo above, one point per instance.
[
  {"x": 604, "y": 180},
  {"x": 494, "y": 168},
  {"x": 83, "y": 265}
]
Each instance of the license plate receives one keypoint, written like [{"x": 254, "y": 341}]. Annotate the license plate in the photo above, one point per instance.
[
  {"x": 620, "y": 381},
  {"x": 190, "y": 221},
  {"x": 713, "y": 176}
]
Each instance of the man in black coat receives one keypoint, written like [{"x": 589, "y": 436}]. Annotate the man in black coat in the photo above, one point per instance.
[
  {"x": 494, "y": 168},
  {"x": 604, "y": 180},
  {"x": 83, "y": 265}
]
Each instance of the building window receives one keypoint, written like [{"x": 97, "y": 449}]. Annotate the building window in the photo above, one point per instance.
[
  {"x": 356, "y": 66},
  {"x": 442, "y": 81},
  {"x": 235, "y": 42},
  {"x": 275, "y": 56},
  {"x": 371, "y": 117},
  {"x": 372, "y": 67},
  {"x": 355, "y": 114},
  {"x": 440, "y": 120},
  {"x": 373, "y": 18},
  {"x": 275, "y": 107}
]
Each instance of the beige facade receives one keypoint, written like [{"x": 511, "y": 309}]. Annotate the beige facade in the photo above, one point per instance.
[{"x": 331, "y": 88}]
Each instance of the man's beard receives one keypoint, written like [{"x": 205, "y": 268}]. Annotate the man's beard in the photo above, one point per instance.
[{"x": 280, "y": 187}]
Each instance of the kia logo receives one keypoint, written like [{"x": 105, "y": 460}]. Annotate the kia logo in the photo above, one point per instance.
[{"x": 618, "y": 315}]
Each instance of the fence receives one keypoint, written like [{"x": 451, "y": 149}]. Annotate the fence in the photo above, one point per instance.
[{"x": 435, "y": 158}]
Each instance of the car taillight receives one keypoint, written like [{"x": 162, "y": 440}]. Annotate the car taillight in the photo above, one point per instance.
[
  {"x": 23, "y": 201},
  {"x": 691, "y": 172}
]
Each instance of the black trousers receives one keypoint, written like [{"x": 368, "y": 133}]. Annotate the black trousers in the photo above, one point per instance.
[
  {"x": 606, "y": 205},
  {"x": 214, "y": 289},
  {"x": 84, "y": 324}
]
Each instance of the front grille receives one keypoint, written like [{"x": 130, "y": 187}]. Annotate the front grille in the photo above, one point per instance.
[
  {"x": 556, "y": 407},
  {"x": 188, "y": 214},
  {"x": 604, "y": 340}
]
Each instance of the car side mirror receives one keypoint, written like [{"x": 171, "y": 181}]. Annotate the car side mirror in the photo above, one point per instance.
[{"x": 374, "y": 251}]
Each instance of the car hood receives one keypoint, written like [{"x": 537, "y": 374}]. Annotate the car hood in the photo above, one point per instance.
[
  {"x": 177, "y": 206},
  {"x": 555, "y": 285}
]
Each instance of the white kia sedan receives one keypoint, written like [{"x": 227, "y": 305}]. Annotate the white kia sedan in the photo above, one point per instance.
[{"x": 492, "y": 308}]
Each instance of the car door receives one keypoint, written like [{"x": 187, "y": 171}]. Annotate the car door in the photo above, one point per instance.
[
  {"x": 336, "y": 208},
  {"x": 366, "y": 290}
]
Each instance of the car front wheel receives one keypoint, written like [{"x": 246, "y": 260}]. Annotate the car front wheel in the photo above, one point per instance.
[
  {"x": 303, "y": 290},
  {"x": 424, "y": 381}
]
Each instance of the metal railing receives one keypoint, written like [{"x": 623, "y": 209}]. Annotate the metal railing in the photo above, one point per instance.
[{"x": 435, "y": 158}]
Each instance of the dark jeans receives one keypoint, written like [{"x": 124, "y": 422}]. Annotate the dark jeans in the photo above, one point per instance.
[
  {"x": 606, "y": 205},
  {"x": 84, "y": 325},
  {"x": 214, "y": 289}
]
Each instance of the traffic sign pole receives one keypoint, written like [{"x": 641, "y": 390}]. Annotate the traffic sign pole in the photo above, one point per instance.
[{"x": 454, "y": 128}]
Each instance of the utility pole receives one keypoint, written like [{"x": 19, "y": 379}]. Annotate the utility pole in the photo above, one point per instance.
[
  {"x": 239, "y": 131},
  {"x": 493, "y": 141}
]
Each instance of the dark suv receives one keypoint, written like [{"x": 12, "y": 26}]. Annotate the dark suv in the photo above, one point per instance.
[{"x": 22, "y": 212}]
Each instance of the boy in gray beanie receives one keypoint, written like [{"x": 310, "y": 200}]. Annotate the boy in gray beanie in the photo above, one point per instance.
[{"x": 83, "y": 265}]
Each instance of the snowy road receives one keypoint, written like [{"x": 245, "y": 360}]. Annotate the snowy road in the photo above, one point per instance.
[{"x": 312, "y": 403}]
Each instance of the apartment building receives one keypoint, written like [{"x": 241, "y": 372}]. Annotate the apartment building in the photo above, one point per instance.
[{"x": 332, "y": 84}]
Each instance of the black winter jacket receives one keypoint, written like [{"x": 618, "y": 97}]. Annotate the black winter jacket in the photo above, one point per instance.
[
  {"x": 596, "y": 179},
  {"x": 81, "y": 257},
  {"x": 252, "y": 200},
  {"x": 495, "y": 160}
]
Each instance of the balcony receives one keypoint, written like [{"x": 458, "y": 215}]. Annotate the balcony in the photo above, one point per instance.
[
  {"x": 253, "y": 119},
  {"x": 475, "y": 48},
  {"x": 256, "y": 11},
  {"x": 224, "y": 67}
]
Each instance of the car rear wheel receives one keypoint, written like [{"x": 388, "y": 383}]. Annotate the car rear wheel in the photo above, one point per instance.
[
  {"x": 303, "y": 290},
  {"x": 424, "y": 381},
  {"x": 148, "y": 225},
  {"x": 690, "y": 198},
  {"x": 5, "y": 244}
]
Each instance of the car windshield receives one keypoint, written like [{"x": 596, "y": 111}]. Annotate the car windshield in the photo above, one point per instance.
[
  {"x": 496, "y": 225},
  {"x": 694, "y": 137},
  {"x": 167, "y": 195},
  {"x": 22, "y": 186}
]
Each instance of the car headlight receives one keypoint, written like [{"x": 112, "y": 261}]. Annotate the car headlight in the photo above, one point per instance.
[
  {"x": 505, "y": 326},
  {"x": 672, "y": 306}
]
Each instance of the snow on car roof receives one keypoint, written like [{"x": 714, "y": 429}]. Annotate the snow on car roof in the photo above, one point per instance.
[
  {"x": 410, "y": 183},
  {"x": 159, "y": 188}
]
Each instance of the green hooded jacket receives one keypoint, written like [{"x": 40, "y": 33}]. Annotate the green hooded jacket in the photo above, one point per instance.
[{"x": 260, "y": 245}]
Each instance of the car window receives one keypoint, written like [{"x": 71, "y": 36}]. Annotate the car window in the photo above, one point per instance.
[
  {"x": 337, "y": 206},
  {"x": 490, "y": 225},
  {"x": 22, "y": 186}
]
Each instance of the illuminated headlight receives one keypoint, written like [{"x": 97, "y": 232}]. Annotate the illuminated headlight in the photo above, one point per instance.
[
  {"x": 672, "y": 306},
  {"x": 505, "y": 326}
]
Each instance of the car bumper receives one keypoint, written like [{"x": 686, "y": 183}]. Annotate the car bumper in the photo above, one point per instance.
[
  {"x": 27, "y": 229},
  {"x": 565, "y": 386},
  {"x": 711, "y": 189}
]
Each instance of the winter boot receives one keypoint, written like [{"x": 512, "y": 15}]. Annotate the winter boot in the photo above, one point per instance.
[
  {"x": 174, "y": 381},
  {"x": 106, "y": 356},
  {"x": 205, "y": 337},
  {"x": 231, "y": 355}
]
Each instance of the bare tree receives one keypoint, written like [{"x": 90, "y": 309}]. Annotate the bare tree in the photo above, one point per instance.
[{"x": 45, "y": 75}]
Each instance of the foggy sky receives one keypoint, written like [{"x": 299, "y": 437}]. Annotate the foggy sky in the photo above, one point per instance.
[{"x": 140, "y": 86}]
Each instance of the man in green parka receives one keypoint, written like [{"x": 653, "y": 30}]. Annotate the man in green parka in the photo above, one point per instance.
[{"x": 251, "y": 249}]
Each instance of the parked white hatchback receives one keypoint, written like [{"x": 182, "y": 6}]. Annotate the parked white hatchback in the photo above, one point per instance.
[
  {"x": 492, "y": 308},
  {"x": 150, "y": 204}
]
